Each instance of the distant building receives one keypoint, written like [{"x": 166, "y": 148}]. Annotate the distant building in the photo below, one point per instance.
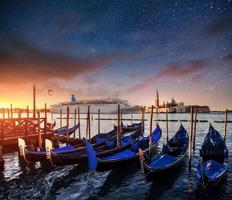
[
  {"x": 181, "y": 108},
  {"x": 200, "y": 109},
  {"x": 174, "y": 107},
  {"x": 170, "y": 107}
]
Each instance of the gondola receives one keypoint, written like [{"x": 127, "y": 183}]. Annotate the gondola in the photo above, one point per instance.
[
  {"x": 97, "y": 139},
  {"x": 129, "y": 128},
  {"x": 36, "y": 156},
  {"x": 79, "y": 156},
  {"x": 131, "y": 154},
  {"x": 41, "y": 155},
  {"x": 171, "y": 156},
  {"x": 64, "y": 131},
  {"x": 213, "y": 166}
]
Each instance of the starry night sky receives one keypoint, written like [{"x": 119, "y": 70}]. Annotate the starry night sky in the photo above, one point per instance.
[{"x": 124, "y": 48}]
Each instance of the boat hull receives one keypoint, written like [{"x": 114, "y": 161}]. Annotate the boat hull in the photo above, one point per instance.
[
  {"x": 162, "y": 172},
  {"x": 62, "y": 159}
]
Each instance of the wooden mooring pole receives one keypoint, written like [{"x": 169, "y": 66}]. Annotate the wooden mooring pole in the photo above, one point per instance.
[
  {"x": 121, "y": 118},
  {"x": 87, "y": 123},
  {"x": 27, "y": 121},
  {"x": 195, "y": 130},
  {"x": 191, "y": 137},
  {"x": 61, "y": 115},
  {"x": 131, "y": 119},
  {"x": 118, "y": 128},
  {"x": 143, "y": 124},
  {"x": 75, "y": 121},
  {"x": 28, "y": 112},
  {"x": 89, "y": 131},
  {"x": 151, "y": 124},
  {"x": 11, "y": 111},
  {"x": 99, "y": 122},
  {"x": 39, "y": 132},
  {"x": 167, "y": 136},
  {"x": 225, "y": 124},
  {"x": 45, "y": 121},
  {"x": 67, "y": 124},
  {"x": 34, "y": 101},
  {"x": 3, "y": 113},
  {"x": 79, "y": 121}
]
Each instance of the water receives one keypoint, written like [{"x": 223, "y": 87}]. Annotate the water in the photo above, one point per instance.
[{"x": 71, "y": 182}]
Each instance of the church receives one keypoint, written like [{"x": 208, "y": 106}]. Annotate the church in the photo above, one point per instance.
[
  {"x": 174, "y": 107},
  {"x": 169, "y": 106}
]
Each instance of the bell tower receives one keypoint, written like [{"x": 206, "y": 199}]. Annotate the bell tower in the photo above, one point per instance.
[{"x": 157, "y": 99}]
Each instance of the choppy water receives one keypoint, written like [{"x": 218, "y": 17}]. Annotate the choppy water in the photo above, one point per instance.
[{"x": 71, "y": 182}]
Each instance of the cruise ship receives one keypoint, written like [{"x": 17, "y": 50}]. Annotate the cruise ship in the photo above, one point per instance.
[{"x": 106, "y": 106}]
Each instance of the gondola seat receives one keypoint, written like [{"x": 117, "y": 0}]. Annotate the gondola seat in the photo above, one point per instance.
[
  {"x": 212, "y": 169},
  {"x": 121, "y": 155},
  {"x": 161, "y": 161}
]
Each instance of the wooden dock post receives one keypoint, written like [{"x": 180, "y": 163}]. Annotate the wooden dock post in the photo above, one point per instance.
[
  {"x": 19, "y": 114},
  {"x": 150, "y": 135},
  {"x": 167, "y": 135},
  {"x": 142, "y": 127},
  {"x": 191, "y": 137},
  {"x": 27, "y": 121},
  {"x": 8, "y": 113},
  {"x": 99, "y": 121},
  {"x": 28, "y": 112},
  {"x": 87, "y": 123},
  {"x": 61, "y": 116},
  {"x": 75, "y": 121},
  {"x": 225, "y": 127},
  {"x": 121, "y": 118},
  {"x": 67, "y": 124},
  {"x": 79, "y": 122},
  {"x": 3, "y": 113},
  {"x": 118, "y": 128},
  {"x": 195, "y": 130},
  {"x": 34, "y": 101},
  {"x": 39, "y": 132},
  {"x": 89, "y": 131},
  {"x": 45, "y": 121},
  {"x": 11, "y": 111}
]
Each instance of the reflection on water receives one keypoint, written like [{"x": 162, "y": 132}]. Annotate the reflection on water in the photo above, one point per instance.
[{"x": 72, "y": 182}]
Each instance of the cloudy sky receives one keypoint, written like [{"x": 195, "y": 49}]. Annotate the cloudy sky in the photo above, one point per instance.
[{"x": 124, "y": 48}]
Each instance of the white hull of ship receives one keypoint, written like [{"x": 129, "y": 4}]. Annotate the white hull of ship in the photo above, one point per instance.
[{"x": 104, "y": 108}]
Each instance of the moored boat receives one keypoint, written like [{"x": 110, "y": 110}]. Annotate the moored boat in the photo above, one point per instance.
[
  {"x": 131, "y": 154},
  {"x": 213, "y": 166},
  {"x": 171, "y": 156},
  {"x": 80, "y": 155},
  {"x": 64, "y": 131},
  {"x": 32, "y": 155},
  {"x": 129, "y": 128}
]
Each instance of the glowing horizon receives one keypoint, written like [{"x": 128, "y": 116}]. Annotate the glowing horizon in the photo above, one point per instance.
[{"x": 105, "y": 49}]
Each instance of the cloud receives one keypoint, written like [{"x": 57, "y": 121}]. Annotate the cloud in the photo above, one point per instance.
[
  {"x": 218, "y": 27},
  {"x": 23, "y": 61},
  {"x": 190, "y": 68},
  {"x": 176, "y": 70}
]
